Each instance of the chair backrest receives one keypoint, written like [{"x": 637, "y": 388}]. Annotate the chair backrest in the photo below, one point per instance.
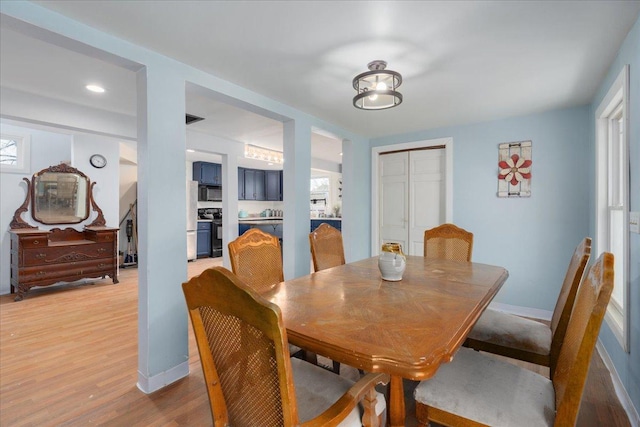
[
  {"x": 326, "y": 247},
  {"x": 243, "y": 351},
  {"x": 448, "y": 241},
  {"x": 256, "y": 259},
  {"x": 580, "y": 340},
  {"x": 564, "y": 304}
]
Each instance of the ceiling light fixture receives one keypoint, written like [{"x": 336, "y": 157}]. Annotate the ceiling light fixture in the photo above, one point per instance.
[
  {"x": 260, "y": 153},
  {"x": 377, "y": 87},
  {"x": 95, "y": 88}
]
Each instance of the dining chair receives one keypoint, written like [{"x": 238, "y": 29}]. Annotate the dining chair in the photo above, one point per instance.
[
  {"x": 477, "y": 389},
  {"x": 529, "y": 340},
  {"x": 448, "y": 241},
  {"x": 327, "y": 251},
  {"x": 256, "y": 259},
  {"x": 250, "y": 378},
  {"x": 326, "y": 247}
]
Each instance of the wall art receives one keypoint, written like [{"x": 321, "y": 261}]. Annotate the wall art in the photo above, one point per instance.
[{"x": 514, "y": 169}]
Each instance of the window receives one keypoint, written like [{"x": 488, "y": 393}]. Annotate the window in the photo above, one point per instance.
[
  {"x": 320, "y": 187},
  {"x": 612, "y": 195},
  {"x": 14, "y": 153}
]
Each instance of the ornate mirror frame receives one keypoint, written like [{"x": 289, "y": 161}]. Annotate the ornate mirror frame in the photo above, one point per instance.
[{"x": 33, "y": 193}]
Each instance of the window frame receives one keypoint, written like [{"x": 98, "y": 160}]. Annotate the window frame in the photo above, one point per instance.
[
  {"x": 608, "y": 196},
  {"x": 23, "y": 152}
]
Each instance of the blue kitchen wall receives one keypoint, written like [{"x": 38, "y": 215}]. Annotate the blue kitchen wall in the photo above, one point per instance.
[
  {"x": 533, "y": 237},
  {"x": 627, "y": 364}
]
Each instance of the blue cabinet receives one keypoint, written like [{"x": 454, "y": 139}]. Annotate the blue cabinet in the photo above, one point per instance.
[
  {"x": 335, "y": 223},
  {"x": 254, "y": 184},
  {"x": 243, "y": 228},
  {"x": 273, "y": 183},
  {"x": 207, "y": 173},
  {"x": 204, "y": 239}
]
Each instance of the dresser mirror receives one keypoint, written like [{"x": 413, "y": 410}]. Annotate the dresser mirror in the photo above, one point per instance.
[{"x": 60, "y": 196}]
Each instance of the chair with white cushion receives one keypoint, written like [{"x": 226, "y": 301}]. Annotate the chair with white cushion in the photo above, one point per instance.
[
  {"x": 477, "y": 389},
  {"x": 524, "y": 339},
  {"x": 250, "y": 378}
]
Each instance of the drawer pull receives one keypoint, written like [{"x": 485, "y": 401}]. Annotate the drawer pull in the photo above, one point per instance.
[
  {"x": 101, "y": 250},
  {"x": 41, "y": 256},
  {"x": 41, "y": 273},
  {"x": 36, "y": 242},
  {"x": 102, "y": 264}
]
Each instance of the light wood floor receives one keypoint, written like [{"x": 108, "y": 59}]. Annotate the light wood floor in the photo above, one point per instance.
[{"x": 68, "y": 357}]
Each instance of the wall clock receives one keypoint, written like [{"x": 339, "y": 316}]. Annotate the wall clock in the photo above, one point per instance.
[{"x": 98, "y": 161}]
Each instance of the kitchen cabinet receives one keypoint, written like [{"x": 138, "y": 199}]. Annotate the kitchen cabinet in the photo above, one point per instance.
[
  {"x": 207, "y": 173},
  {"x": 204, "y": 239},
  {"x": 254, "y": 184},
  {"x": 273, "y": 183}
]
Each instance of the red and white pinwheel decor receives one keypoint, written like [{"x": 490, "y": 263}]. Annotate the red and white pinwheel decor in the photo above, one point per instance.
[{"x": 514, "y": 169}]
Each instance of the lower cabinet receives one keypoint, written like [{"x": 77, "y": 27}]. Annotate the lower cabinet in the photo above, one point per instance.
[{"x": 204, "y": 239}]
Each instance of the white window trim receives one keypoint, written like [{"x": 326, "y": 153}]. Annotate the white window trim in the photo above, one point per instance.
[
  {"x": 23, "y": 165},
  {"x": 616, "y": 317}
]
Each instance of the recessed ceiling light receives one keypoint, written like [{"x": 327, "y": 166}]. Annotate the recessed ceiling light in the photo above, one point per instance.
[
  {"x": 341, "y": 154},
  {"x": 95, "y": 88},
  {"x": 189, "y": 150}
]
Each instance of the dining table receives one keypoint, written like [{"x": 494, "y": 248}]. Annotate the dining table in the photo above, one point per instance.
[{"x": 406, "y": 328}]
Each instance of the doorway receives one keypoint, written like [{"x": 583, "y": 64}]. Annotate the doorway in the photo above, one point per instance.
[{"x": 412, "y": 191}]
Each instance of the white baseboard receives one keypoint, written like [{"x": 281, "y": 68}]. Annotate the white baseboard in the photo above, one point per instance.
[
  {"x": 534, "y": 313},
  {"x": 150, "y": 384},
  {"x": 621, "y": 392}
]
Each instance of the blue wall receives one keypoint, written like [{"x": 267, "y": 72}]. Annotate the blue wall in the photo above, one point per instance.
[
  {"x": 533, "y": 237},
  {"x": 627, "y": 364}
]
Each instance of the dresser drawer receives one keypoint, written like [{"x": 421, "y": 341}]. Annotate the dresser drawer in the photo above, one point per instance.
[
  {"x": 65, "y": 254},
  {"x": 67, "y": 272},
  {"x": 34, "y": 241}
]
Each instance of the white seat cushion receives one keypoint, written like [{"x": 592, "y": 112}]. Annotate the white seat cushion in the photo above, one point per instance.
[
  {"x": 512, "y": 331},
  {"x": 487, "y": 390},
  {"x": 317, "y": 389}
]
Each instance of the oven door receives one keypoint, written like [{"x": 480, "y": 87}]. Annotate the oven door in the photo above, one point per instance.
[{"x": 216, "y": 239}]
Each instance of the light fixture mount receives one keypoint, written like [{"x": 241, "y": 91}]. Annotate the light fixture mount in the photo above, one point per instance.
[{"x": 377, "y": 88}]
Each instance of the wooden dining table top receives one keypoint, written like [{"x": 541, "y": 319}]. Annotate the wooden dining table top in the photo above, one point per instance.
[{"x": 405, "y": 328}]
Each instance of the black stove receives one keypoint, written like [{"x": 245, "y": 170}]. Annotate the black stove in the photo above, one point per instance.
[
  {"x": 215, "y": 216},
  {"x": 210, "y": 213}
]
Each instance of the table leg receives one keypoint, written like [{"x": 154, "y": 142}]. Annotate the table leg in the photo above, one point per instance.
[{"x": 396, "y": 402}]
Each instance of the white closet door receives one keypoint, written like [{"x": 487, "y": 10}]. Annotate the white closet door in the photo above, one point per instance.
[
  {"x": 394, "y": 198},
  {"x": 412, "y": 196},
  {"x": 426, "y": 195}
]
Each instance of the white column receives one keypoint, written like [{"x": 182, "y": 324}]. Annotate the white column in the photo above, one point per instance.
[
  {"x": 163, "y": 350},
  {"x": 296, "y": 176}
]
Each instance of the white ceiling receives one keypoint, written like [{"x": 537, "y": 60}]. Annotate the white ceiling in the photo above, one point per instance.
[{"x": 462, "y": 62}]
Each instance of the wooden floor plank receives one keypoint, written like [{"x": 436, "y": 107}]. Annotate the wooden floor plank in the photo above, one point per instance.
[{"x": 68, "y": 357}]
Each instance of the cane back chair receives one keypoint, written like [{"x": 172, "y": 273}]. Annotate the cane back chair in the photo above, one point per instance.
[{"x": 447, "y": 241}]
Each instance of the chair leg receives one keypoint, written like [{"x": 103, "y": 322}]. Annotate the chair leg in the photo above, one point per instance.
[{"x": 336, "y": 367}]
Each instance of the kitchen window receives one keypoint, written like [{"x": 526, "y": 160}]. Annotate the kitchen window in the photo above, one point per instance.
[
  {"x": 14, "y": 153},
  {"x": 612, "y": 196},
  {"x": 320, "y": 190}
]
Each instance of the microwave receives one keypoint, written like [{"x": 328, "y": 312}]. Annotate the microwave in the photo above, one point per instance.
[{"x": 208, "y": 193}]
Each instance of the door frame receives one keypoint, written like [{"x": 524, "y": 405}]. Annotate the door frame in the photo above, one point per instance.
[{"x": 375, "y": 180}]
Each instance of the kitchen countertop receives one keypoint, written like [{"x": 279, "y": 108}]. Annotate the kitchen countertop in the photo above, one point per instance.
[{"x": 275, "y": 219}]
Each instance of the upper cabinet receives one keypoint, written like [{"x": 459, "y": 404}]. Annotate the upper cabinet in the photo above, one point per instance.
[
  {"x": 256, "y": 184},
  {"x": 273, "y": 185},
  {"x": 207, "y": 173}
]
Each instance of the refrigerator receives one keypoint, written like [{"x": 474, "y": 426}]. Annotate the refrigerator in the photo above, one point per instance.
[{"x": 192, "y": 219}]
